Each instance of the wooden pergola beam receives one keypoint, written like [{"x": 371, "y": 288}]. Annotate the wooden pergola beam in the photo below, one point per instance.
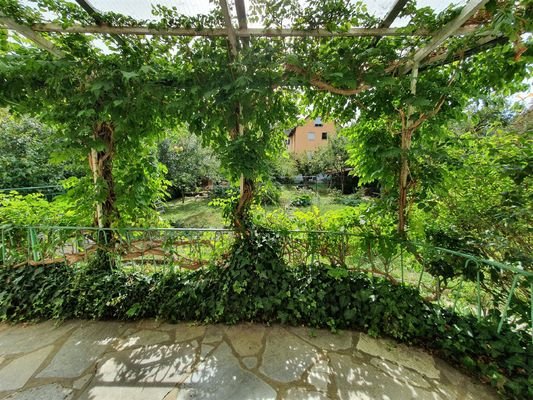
[
  {"x": 444, "y": 58},
  {"x": 31, "y": 35},
  {"x": 243, "y": 21},
  {"x": 96, "y": 16},
  {"x": 91, "y": 10},
  {"x": 438, "y": 38},
  {"x": 230, "y": 30},
  {"x": 390, "y": 17},
  {"x": 222, "y": 32}
]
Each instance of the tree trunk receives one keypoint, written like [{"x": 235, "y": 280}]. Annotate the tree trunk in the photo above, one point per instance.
[
  {"x": 403, "y": 181},
  {"x": 243, "y": 206},
  {"x": 407, "y": 134},
  {"x": 101, "y": 163}
]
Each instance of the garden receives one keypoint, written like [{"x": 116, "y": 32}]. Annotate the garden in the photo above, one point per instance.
[{"x": 144, "y": 171}]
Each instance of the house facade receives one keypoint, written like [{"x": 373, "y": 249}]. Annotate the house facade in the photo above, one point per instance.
[{"x": 310, "y": 136}]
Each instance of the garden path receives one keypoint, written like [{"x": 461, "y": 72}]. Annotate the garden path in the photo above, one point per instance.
[{"x": 153, "y": 360}]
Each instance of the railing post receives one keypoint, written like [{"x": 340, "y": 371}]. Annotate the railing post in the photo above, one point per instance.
[
  {"x": 478, "y": 287},
  {"x": 3, "y": 247},
  {"x": 508, "y": 302}
]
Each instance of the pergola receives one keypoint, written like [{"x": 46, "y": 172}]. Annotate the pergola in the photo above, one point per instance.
[
  {"x": 239, "y": 35},
  {"x": 242, "y": 33}
]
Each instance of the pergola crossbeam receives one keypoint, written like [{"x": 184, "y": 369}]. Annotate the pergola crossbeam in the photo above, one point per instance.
[
  {"x": 449, "y": 29},
  {"x": 243, "y": 22},
  {"x": 95, "y": 15},
  {"x": 31, "y": 35},
  {"x": 390, "y": 17},
  {"x": 91, "y": 10},
  {"x": 230, "y": 30},
  {"x": 222, "y": 32}
]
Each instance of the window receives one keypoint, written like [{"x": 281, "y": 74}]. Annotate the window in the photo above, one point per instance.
[
  {"x": 318, "y": 121},
  {"x": 311, "y": 136},
  {"x": 288, "y": 141},
  {"x": 324, "y": 136}
]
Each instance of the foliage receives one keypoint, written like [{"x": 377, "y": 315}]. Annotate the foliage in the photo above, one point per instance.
[
  {"x": 306, "y": 164},
  {"x": 283, "y": 168},
  {"x": 34, "y": 209},
  {"x": 268, "y": 193},
  {"x": 189, "y": 164},
  {"x": 255, "y": 285},
  {"x": 303, "y": 199},
  {"x": 26, "y": 149},
  {"x": 112, "y": 93},
  {"x": 333, "y": 157},
  {"x": 486, "y": 198}
]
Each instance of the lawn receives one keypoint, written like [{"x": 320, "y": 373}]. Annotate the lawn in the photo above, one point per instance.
[{"x": 196, "y": 212}]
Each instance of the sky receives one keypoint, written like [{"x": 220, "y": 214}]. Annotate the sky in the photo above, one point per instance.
[{"x": 141, "y": 9}]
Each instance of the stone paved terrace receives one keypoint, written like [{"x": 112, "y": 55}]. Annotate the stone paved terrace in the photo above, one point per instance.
[{"x": 151, "y": 360}]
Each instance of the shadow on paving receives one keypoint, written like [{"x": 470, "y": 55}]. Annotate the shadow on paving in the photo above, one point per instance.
[{"x": 152, "y": 360}]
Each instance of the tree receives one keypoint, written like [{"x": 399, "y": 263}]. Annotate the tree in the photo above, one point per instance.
[
  {"x": 398, "y": 102},
  {"x": 188, "y": 163},
  {"x": 485, "y": 200},
  {"x": 103, "y": 104},
  {"x": 26, "y": 147},
  {"x": 333, "y": 157}
]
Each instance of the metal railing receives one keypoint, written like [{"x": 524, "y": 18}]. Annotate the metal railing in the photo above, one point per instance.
[{"x": 160, "y": 249}]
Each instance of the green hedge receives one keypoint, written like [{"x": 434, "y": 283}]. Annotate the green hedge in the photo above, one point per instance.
[{"x": 254, "y": 285}]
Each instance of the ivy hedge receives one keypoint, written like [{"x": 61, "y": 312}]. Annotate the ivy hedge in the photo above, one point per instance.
[{"x": 253, "y": 284}]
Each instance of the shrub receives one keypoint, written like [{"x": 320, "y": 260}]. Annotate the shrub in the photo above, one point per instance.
[{"x": 301, "y": 200}]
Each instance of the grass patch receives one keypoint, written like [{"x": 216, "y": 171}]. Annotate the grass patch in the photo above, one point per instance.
[
  {"x": 193, "y": 213},
  {"x": 196, "y": 213}
]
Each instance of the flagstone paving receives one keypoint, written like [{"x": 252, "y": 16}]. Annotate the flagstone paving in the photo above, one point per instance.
[{"x": 149, "y": 360}]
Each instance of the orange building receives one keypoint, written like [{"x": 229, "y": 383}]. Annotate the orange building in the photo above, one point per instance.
[{"x": 311, "y": 136}]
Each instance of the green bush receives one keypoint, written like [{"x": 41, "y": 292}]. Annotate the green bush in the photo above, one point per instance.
[
  {"x": 301, "y": 200},
  {"x": 268, "y": 194},
  {"x": 223, "y": 192},
  {"x": 254, "y": 284},
  {"x": 34, "y": 209}
]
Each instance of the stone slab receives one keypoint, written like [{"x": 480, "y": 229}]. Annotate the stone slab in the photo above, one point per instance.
[
  {"x": 220, "y": 377},
  {"x": 144, "y": 337},
  {"x": 82, "y": 349},
  {"x": 324, "y": 339},
  {"x": 80, "y": 383},
  {"x": 246, "y": 339},
  {"x": 157, "y": 364},
  {"x": 362, "y": 381},
  {"x": 399, "y": 373},
  {"x": 186, "y": 333},
  {"x": 408, "y": 357},
  {"x": 319, "y": 375},
  {"x": 144, "y": 373},
  {"x": 45, "y": 392},
  {"x": 304, "y": 394},
  {"x": 205, "y": 350},
  {"x": 27, "y": 338},
  {"x": 15, "y": 374},
  {"x": 249, "y": 362},
  {"x": 213, "y": 334},
  {"x": 104, "y": 392},
  {"x": 286, "y": 357}
]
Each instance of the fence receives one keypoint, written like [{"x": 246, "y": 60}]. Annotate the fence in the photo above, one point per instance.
[{"x": 160, "y": 249}]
